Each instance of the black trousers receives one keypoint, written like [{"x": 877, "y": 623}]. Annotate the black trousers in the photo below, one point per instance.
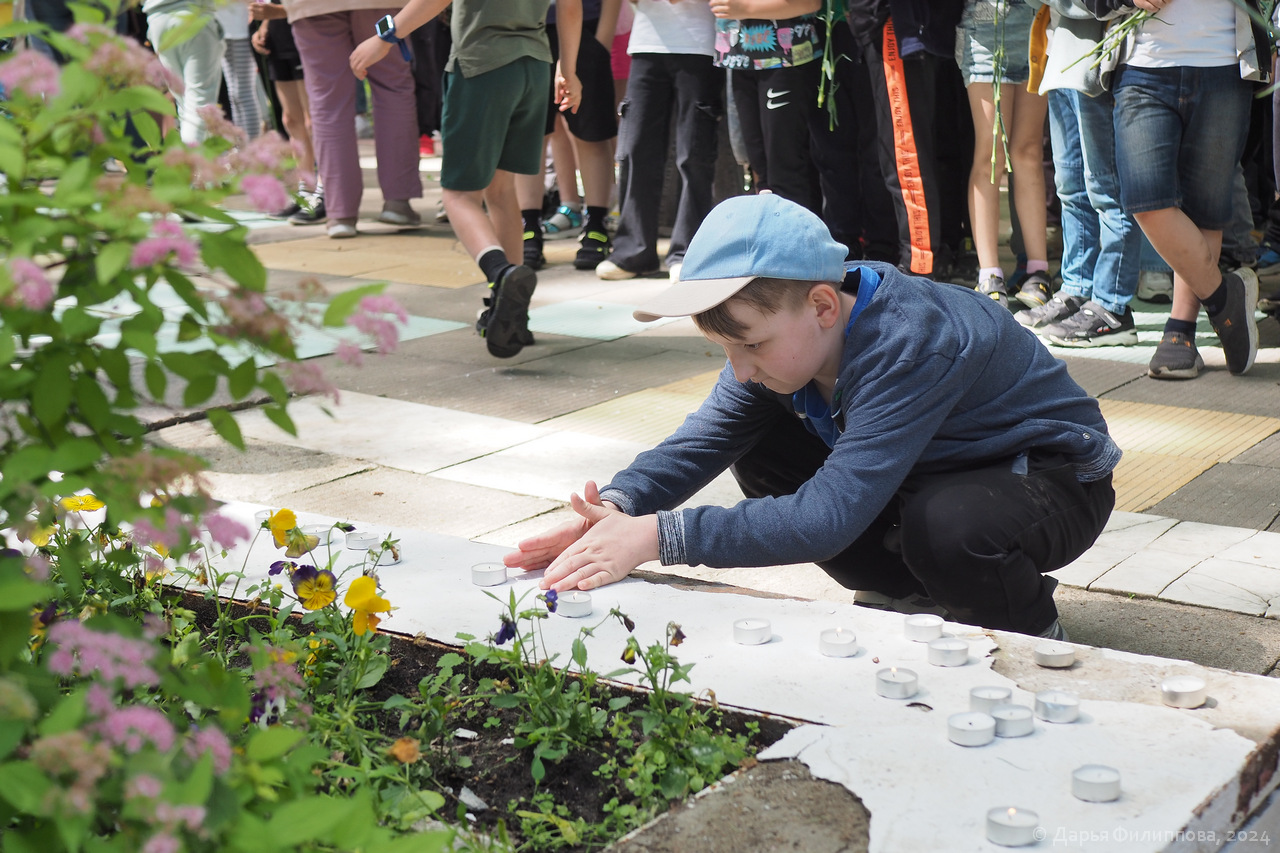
[
  {"x": 677, "y": 91},
  {"x": 776, "y": 108},
  {"x": 976, "y": 541}
]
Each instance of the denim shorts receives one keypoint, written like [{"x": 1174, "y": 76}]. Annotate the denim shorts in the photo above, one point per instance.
[
  {"x": 1179, "y": 134},
  {"x": 985, "y": 25}
]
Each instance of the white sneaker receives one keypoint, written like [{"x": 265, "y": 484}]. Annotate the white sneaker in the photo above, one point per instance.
[
  {"x": 609, "y": 271},
  {"x": 673, "y": 272},
  {"x": 1155, "y": 286},
  {"x": 340, "y": 230}
]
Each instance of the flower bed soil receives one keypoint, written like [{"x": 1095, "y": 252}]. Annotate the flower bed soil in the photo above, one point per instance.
[{"x": 488, "y": 764}]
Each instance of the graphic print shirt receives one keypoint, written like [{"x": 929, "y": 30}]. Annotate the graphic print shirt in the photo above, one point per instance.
[{"x": 759, "y": 44}]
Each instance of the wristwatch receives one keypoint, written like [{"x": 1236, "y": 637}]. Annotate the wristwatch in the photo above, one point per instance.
[{"x": 386, "y": 30}]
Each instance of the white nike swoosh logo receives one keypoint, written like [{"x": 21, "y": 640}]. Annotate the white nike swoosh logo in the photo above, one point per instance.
[
  {"x": 770, "y": 94},
  {"x": 773, "y": 105}
]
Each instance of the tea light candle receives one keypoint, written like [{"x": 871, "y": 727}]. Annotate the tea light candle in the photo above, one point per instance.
[
  {"x": 1055, "y": 655},
  {"x": 972, "y": 728},
  {"x": 1184, "y": 691},
  {"x": 1057, "y": 706},
  {"x": 262, "y": 516},
  {"x": 948, "y": 652},
  {"x": 388, "y": 556},
  {"x": 487, "y": 574},
  {"x": 894, "y": 683},
  {"x": 838, "y": 643},
  {"x": 752, "y": 632},
  {"x": 1010, "y": 827},
  {"x": 1096, "y": 783},
  {"x": 1013, "y": 720},
  {"x": 324, "y": 532},
  {"x": 922, "y": 627},
  {"x": 359, "y": 540},
  {"x": 574, "y": 604},
  {"x": 985, "y": 698}
]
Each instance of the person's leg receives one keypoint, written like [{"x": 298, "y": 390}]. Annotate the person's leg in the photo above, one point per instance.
[
  {"x": 1026, "y": 150},
  {"x": 985, "y": 177},
  {"x": 787, "y": 115},
  {"x": 296, "y": 117},
  {"x": 747, "y": 93},
  {"x": 241, "y": 72},
  {"x": 198, "y": 63},
  {"x": 324, "y": 42},
  {"x": 981, "y": 541},
  {"x": 642, "y": 154},
  {"x": 699, "y": 89},
  {"x": 395, "y": 113}
]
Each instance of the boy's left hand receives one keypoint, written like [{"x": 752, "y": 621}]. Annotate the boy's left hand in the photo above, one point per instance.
[{"x": 614, "y": 545}]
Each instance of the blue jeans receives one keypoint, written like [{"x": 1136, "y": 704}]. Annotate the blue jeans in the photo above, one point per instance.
[
  {"x": 1179, "y": 135},
  {"x": 1101, "y": 245}
]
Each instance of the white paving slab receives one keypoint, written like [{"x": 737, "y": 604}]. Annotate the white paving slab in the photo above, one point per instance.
[
  {"x": 1227, "y": 585},
  {"x": 1146, "y": 573},
  {"x": 1196, "y": 539},
  {"x": 1182, "y": 770},
  {"x": 1262, "y": 549},
  {"x": 1132, "y": 531},
  {"x": 1091, "y": 565}
]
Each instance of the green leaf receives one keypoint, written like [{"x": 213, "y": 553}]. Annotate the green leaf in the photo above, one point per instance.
[
  {"x": 65, "y": 716},
  {"x": 505, "y": 700},
  {"x": 372, "y": 675},
  {"x": 307, "y": 819},
  {"x": 189, "y": 329},
  {"x": 157, "y": 380},
  {"x": 341, "y": 305},
  {"x": 241, "y": 380},
  {"x": 11, "y": 734},
  {"x": 199, "y": 389},
  {"x": 226, "y": 426},
  {"x": 147, "y": 128},
  {"x": 227, "y": 250},
  {"x": 75, "y": 455},
  {"x": 278, "y": 416},
  {"x": 50, "y": 405},
  {"x": 197, "y": 787},
  {"x": 674, "y": 783},
  {"x": 537, "y": 769},
  {"x": 93, "y": 405},
  {"x": 111, "y": 259},
  {"x": 272, "y": 743},
  {"x": 13, "y": 162},
  {"x": 19, "y": 593},
  {"x": 23, "y": 786},
  {"x": 73, "y": 181}
]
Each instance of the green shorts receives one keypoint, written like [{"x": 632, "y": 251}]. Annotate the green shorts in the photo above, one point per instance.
[{"x": 493, "y": 121}]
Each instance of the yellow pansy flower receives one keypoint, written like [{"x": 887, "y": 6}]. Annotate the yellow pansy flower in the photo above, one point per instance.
[
  {"x": 78, "y": 503},
  {"x": 280, "y": 524},
  {"x": 314, "y": 589},
  {"x": 362, "y": 597}
]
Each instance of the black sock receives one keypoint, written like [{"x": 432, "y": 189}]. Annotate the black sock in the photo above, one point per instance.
[
  {"x": 595, "y": 218},
  {"x": 532, "y": 221},
  {"x": 1217, "y": 300},
  {"x": 1186, "y": 327},
  {"x": 493, "y": 264}
]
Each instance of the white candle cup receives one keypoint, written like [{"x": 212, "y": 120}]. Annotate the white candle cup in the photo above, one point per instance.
[
  {"x": 1057, "y": 706},
  {"x": 922, "y": 627},
  {"x": 1184, "y": 691},
  {"x": 948, "y": 651},
  {"x": 1013, "y": 720},
  {"x": 1010, "y": 827},
  {"x": 985, "y": 698},
  {"x": 1055, "y": 655},
  {"x": 359, "y": 540},
  {"x": 972, "y": 728},
  {"x": 894, "y": 683},
  {"x": 1096, "y": 783},
  {"x": 388, "y": 556},
  {"x": 324, "y": 532},
  {"x": 574, "y": 604},
  {"x": 838, "y": 643},
  {"x": 262, "y": 516},
  {"x": 488, "y": 574},
  {"x": 752, "y": 632}
]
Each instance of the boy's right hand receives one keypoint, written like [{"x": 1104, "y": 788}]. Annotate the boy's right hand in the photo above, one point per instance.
[
  {"x": 368, "y": 52},
  {"x": 537, "y": 552}
]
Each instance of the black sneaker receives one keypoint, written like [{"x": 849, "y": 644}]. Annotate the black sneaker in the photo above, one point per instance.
[
  {"x": 1036, "y": 290},
  {"x": 594, "y": 247},
  {"x": 289, "y": 211},
  {"x": 1176, "y": 358},
  {"x": 504, "y": 323},
  {"x": 1094, "y": 326},
  {"x": 993, "y": 286},
  {"x": 533, "y": 257},
  {"x": 1235, "y": 324},
  {"x": 309, "y": 217},
  {"x": 1054, "y": 311}
]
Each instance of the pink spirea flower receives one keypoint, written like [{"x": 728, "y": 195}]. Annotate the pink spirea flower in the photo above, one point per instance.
[
  {"x": 162, "y": 842},
  {"x": 166, "y": 238},
  {"x": 371, "y": 318},
  {"x": 31, "y": 72},
  {"x": 134, "y": 726},
  {"x": 31, "y": 286},
  {"x": 216, "y": 123},
  {"x": 278, "y": 680},
  {"x": 225, "y": 532},
  {"x": 143, "y": 785},
  {"x": 99, "y": 700},
  {"x": 171, "y": 816},
  {"x": 81, "y": 651},
  {"x": 349, "y": 353},
  {"x": 308, "y": 378},
  {"x": 382, "y": 304},
  {"x": 38, "y": 567},
  {"x": 265, "y": 192},
  {"x": 213, "y": 741}
]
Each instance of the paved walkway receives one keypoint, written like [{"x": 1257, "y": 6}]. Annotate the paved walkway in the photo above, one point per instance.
[{"x": 443, "y": 438}]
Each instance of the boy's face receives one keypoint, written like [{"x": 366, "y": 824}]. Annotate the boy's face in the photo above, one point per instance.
[{"x": 780, "y": 350}]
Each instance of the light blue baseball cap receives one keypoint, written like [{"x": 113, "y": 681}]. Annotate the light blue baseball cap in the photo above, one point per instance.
[{"x": 744, "y": 238}]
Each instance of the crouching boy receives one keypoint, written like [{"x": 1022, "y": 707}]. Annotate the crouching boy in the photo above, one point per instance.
[{"x": 909, "y": 437}]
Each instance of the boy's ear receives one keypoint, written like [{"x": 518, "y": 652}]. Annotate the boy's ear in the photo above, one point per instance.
[{"x": 826, "y": 302}]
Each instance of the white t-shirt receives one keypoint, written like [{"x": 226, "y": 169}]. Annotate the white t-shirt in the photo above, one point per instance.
[
  {"x": 234, "y": 18},
  {"x": 1195, "y": 33},
  {"x": 685, "y": 26}
]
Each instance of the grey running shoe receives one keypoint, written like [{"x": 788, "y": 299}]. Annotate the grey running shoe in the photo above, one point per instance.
[
  {"x": 1055, "y": 310},
  {"x": 1155, "y": 286},
  {"x": 1035, "y": 291},
  {"x": 993, "y": 286},
  {"x": 1094, "y": 326},
  {"x": 1235, "y": 324},
  {"x": 1176, "y": 358}
]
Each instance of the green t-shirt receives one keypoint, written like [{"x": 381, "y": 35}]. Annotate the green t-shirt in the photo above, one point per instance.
[{"x": 489, "y": 34}]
